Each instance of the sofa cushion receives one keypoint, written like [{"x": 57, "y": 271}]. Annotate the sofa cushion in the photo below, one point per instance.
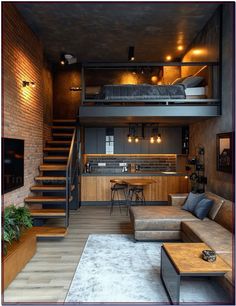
[
  {"x": 218, "y": 201},
  {"x": 192, "y": 200},
  {"x": 225, "y": 216},
  {"x": 228, "y": 258},
  {"x": 149, "y": 218},
  {"x": 217, "y": 237},
  {"x": 202, "y": 208}
]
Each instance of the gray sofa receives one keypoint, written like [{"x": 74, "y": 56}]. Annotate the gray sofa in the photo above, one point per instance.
[{"x": 165, "y": 223}]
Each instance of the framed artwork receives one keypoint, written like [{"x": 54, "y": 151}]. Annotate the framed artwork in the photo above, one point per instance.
[{"x": 224, "y": 152}]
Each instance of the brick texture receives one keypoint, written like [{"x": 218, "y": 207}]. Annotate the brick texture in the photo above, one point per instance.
[{"x": 23, "y": 107}]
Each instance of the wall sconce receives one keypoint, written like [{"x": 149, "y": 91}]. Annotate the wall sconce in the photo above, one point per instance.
[
  {"x": 30, "y": 84},
  {"x": 131, "y": 53},
  {"x": 75, "y": 88}
]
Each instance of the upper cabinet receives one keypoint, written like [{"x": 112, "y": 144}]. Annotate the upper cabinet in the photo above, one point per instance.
[{"x": 95, "y": 141}]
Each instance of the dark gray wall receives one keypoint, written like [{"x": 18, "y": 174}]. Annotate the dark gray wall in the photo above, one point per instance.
[
  {"x": 171, "y": 141},
  {"x": 204, "y": 132}
]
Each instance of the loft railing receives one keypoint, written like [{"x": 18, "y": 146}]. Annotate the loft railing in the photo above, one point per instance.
[{"x": 72, "y": 172}]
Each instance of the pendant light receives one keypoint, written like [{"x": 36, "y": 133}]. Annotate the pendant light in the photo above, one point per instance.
[
  {"x": 159, "y": 138},
  {"x": 131, "y": 53}
]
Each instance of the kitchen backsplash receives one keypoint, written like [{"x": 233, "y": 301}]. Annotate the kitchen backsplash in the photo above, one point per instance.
[{"x": 119, "y": 164}]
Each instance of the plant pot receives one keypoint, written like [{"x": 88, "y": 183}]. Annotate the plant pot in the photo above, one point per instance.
[{"x": 18, "y": 255}]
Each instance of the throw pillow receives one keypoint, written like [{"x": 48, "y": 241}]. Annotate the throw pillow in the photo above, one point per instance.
[
  {"x": 192, "y": 200},
  {"x": 202, "y": 208},
  {"x": 192, "y": 81}
]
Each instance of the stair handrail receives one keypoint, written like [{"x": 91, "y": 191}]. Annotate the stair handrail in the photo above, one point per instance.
[{"x": 70, "y": 174}]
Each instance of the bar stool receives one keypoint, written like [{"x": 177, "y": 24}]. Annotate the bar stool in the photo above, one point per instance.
[
  {"x": 137, "y": 193},
  {"x": 118, "y": 185}
]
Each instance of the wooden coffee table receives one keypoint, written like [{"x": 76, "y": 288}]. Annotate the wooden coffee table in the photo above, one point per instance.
[{"x": 184, "y": 259}]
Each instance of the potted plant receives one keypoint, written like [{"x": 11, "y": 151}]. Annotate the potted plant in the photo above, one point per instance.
[{"x": 19, "y": 243}]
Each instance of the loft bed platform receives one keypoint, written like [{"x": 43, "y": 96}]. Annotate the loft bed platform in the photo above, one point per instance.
[{"x": 115, "y": 88}]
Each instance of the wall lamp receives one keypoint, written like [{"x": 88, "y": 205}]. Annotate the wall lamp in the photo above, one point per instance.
[
  {"x": 30, "y": 84},
  {"x": 131, "y": 53}
]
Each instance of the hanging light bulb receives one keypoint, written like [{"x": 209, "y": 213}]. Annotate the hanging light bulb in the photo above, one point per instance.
[
  {"x": 159, "y": 138},
  {"x": 129, "y": 138},
  {"x": 136, "y": 139},
  {"x": 152, "y": 140}
]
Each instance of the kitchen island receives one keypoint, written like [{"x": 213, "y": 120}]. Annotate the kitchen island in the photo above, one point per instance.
[{"x": 96, "y": 187}]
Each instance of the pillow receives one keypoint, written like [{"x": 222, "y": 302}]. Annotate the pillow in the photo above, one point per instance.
[
  {"x": 192, "y": 81},
  {"x": 202, "y": 208},
  {"x": 178, "y": 81},
  {"x": 192, "y": 200}
]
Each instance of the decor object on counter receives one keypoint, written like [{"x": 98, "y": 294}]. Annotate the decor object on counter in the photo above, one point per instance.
[
  {"x": 118, "y": 269},
  {"x": 197, "y": 164},
  {"x": 224, "y": 152},
  {"x": 192, "y": 200},
  {"x": 209, "y": 255}
]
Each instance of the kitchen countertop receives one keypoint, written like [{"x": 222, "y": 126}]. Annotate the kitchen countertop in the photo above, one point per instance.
[{"x": 137, "y": 174}]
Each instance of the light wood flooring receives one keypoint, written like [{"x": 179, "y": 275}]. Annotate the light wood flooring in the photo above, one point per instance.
[{"x": 47, "y": 277}]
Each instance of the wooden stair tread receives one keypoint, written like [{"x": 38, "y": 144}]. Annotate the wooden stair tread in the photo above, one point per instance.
[
  {"x": 47, "y": 212},
  {"x": 49, "y": 232},
  {"x": 64, "y": 120},
  {"x": 62, "y": 127},
  {"x": 59, "y": 142},
  {"x": 64, "y": 158},
  {"x": 50, "y": 178},
  {"x": 56, "y": 149},
  {"x": 50, "y": 167},
  {"x": 45, "y": 199},
  {"x": 62, "y": 134},
  {"x": 50, "y": 187}
]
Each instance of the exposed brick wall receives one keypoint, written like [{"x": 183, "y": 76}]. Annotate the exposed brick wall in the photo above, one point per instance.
[
  {"x": 22, "y": 107},
  {"x": 48, "y": 102}
]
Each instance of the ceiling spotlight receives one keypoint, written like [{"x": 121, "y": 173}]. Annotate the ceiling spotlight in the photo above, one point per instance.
[
  {"x": 67, "y": 59},
  {"x": 131, "y": 53},
  {"x": 26, "y": 83},
  {"x": 168, "y": 58},
  {"x": 180, "y": 48}
]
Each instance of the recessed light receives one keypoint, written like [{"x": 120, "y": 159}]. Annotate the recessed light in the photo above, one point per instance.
[
  {"x": 180, "y": 48},
  {"x": 168, "y": 58}
]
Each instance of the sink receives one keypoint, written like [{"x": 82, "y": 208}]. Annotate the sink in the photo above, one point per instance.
[{"x": 169, "y": 172}]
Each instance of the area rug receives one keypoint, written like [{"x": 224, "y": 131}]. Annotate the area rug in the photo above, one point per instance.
[{"x": 115, "y": 268}]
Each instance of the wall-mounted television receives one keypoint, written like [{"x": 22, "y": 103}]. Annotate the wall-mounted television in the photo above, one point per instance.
[{"x": 12, "y": 164}]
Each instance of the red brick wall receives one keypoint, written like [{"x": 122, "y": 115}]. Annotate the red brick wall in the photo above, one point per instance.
[{"x": 22, "y": 107}]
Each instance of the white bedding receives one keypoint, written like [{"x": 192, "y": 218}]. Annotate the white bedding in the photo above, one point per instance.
[{"x": 195, "y": 91}]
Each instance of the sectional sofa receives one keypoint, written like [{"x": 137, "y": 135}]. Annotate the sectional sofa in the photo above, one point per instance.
[{"x": 172, "y": 223}]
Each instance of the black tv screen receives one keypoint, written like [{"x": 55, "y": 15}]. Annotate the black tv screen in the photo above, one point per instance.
[{"x": 12, "y": 164}]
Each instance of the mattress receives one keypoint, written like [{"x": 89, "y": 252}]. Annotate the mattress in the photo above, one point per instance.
[{"x": 195, "y": 91}]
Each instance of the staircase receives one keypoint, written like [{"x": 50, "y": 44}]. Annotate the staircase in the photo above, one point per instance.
[{"x": 56, "y": 187}]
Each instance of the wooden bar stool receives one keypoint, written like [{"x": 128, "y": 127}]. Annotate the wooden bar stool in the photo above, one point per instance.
[{"x": 117, "y": 186}]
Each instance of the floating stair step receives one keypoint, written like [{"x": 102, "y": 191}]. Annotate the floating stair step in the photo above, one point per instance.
[
  {"x": 59, "y": 142},
  {"x": 62, "y": 127},
  {"x": 55, "y": 158},
  {"x": 64, "y": 135},
  {"x": 61, "y": 149},
  {"x": 46, "y": 199},
  {"x": 50, "y": 178},
  {"x": 49, "y": 232},
  {"x": 47, "y": 212},
  {"x": 49, "y": 167},
  {"x": 50, "y": 188},
  {"x": 64, "y": 120}
]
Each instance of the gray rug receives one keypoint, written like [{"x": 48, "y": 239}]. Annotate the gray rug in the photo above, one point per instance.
[{"x": 115, "y": 268}]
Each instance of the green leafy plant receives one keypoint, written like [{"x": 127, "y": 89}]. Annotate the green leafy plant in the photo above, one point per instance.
[{"x": 16, "y": 220}]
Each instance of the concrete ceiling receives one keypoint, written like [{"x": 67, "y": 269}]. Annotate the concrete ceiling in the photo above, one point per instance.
[{"x": 104, "y": 31}]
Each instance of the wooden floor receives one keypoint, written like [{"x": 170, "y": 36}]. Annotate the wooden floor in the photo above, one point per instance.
[{"x": 47, "y": 277}]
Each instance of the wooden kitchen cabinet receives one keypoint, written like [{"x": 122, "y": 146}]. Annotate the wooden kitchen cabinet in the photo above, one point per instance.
[{"x": 98, "y": 188}]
